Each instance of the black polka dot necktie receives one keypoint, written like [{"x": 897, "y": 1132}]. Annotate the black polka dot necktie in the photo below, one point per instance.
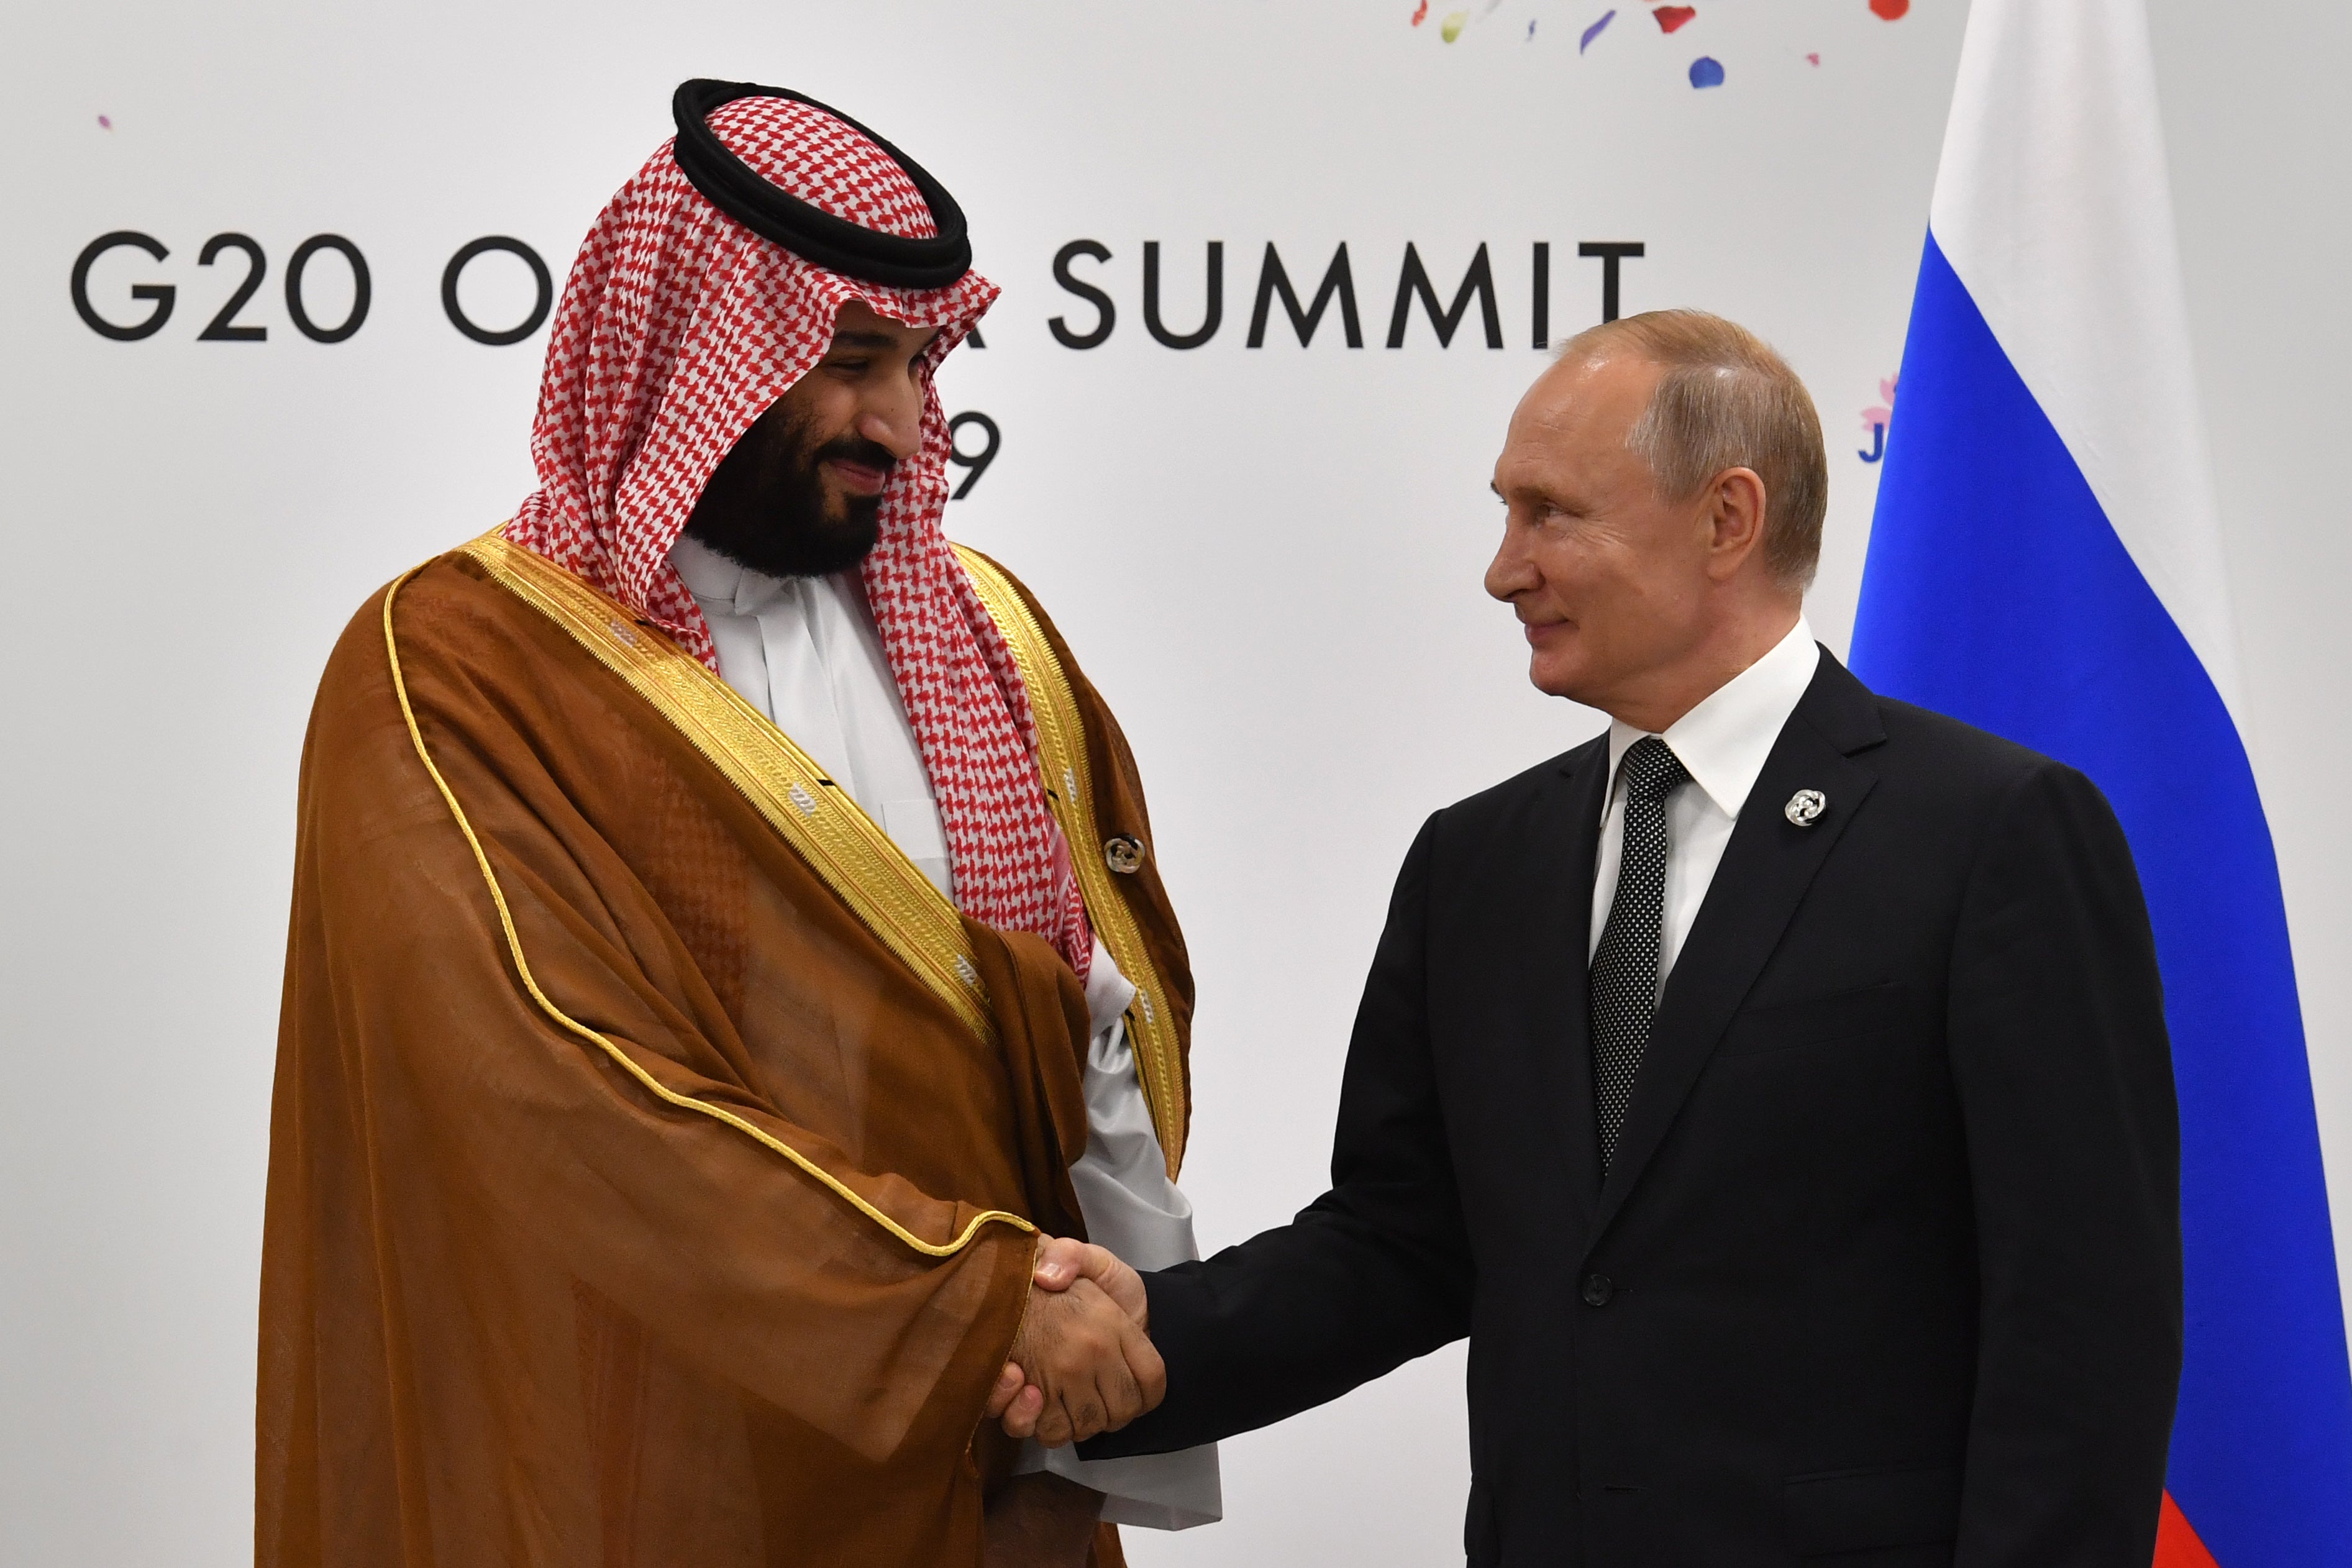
[{"x": 1625, "y": 965}]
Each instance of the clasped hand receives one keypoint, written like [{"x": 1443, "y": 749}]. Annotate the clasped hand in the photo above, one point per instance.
[{"x": 1081, "y": 1364}]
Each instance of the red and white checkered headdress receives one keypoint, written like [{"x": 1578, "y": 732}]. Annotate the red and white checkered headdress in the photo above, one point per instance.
[{"x": 677, "y": 329}]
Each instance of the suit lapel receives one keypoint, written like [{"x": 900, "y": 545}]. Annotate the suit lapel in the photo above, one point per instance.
[
  {"x": 1561, "y": 843},
  {"x": 1761, "y": 879}
]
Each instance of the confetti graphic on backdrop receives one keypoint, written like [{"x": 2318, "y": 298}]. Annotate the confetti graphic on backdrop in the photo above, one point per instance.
[
  {"x": 1455, "y": 22},
  {"x": 104, "y": 124},
  {"x": 1706, "y": 71}
]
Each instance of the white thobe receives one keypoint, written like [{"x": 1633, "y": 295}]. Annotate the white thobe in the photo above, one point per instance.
[
  {"x": 1723, "y": 744},
  {"x": 804, "y": 651}
]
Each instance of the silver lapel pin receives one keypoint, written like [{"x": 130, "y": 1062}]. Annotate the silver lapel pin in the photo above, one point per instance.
[{"x": 1805, "y": 808}]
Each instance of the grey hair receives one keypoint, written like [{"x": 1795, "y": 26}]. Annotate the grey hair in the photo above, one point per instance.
[{"x": 1727, "y": 401}]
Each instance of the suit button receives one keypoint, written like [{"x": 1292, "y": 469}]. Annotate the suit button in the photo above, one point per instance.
[
  {"x": 1598, "y": 1289},
  {"x": 1124, "y": 854}
]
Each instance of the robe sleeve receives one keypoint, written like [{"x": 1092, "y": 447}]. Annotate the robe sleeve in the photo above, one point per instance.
[{"x": 545, "y": 1097}]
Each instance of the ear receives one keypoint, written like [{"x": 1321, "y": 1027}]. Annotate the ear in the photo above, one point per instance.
[{"x": 1734, "y": 507}]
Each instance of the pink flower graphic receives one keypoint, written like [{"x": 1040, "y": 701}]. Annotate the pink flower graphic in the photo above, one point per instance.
[{"x": 1883, "y": 411}]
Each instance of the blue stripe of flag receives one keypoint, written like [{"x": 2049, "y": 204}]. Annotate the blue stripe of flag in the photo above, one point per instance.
[{"x": 1997, "y": 591}]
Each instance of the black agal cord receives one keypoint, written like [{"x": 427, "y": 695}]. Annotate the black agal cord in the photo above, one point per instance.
[{"x": 811, "y": 232}]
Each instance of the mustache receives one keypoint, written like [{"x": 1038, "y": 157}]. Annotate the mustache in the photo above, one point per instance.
[{"x": 857, "y": 449}]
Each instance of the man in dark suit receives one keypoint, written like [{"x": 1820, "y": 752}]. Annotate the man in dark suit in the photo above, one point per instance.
[{"x": 1775, "y": 1089}]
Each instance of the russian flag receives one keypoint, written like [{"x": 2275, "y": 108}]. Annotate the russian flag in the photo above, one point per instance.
[{"x": 2046, "y": 562}]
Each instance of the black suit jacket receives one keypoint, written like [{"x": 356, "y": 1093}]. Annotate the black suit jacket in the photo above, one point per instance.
[{"x": 1887, "y": 1268}]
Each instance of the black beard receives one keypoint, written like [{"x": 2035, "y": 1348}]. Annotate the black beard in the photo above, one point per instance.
[{"x": 765, "y": 506}]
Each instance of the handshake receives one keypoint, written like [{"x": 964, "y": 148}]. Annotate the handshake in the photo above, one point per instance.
[{"x": 1081, "y": 1364}]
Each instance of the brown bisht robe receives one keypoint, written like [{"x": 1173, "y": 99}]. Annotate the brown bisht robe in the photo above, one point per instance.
[{"x": 654, "y": 1154}]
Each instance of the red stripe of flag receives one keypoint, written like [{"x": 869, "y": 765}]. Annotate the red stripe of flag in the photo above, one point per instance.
[{"x": 2176, "y": 1545}]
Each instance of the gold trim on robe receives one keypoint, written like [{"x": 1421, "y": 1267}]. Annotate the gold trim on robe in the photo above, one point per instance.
[
  {"x": 1069, "y": 787},
  {"x": 820, "y": 821},
  {"x": 862, "y": 864}
]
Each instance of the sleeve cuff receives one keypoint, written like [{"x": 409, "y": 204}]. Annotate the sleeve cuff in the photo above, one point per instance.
[{"x": 1152, "y": 1492}]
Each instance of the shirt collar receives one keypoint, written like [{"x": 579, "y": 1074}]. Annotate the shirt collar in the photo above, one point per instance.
[
  {"x": 1724, "y": 742},
  {"x": 721, "y": 585}
]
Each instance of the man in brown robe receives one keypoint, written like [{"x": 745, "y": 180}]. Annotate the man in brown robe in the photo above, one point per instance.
[{"x": 665, "y": 1124}]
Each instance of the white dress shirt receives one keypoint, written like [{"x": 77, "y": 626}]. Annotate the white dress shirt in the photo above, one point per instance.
[
  {"x": 1723, "y": 744},
  {"x": 804, "y": 651}
]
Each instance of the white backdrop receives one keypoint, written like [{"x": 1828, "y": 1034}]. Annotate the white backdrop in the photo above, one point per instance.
[{"x": 1268, "y": 559}]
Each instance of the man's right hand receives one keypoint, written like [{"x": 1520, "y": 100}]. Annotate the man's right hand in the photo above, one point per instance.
[{"x": 1080, "y": 1364}]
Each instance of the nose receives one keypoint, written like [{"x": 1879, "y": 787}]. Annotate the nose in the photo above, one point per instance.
[
  {"x": 892, "y": 414},
  {"x": 1511, "y": 573}
]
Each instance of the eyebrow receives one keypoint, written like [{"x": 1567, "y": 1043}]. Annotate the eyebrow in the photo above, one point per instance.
[{"x": 854, "y": 339}]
